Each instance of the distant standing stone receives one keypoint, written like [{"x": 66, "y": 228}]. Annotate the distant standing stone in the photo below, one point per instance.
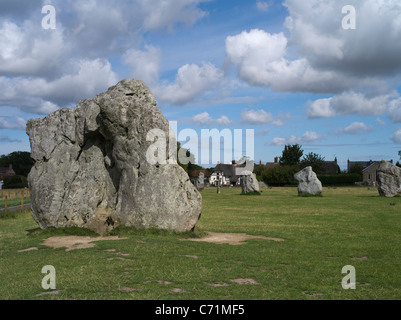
[
  {"x": 249, "y": 183},
  {"x": 308, "y": 183},
  {"x": 389, "y": 179},
  {"x": 200, "y": 181}
]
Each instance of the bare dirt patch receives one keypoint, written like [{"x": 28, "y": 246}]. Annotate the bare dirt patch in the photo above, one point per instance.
[
  {"x": 26, "y": 250},
  {"x": 360, "y": 258},
  {"x": 190, "y": 256},
  {"x": 244, "y": 281},
  {"x": 231, "y": 238},
  {"x": 49, "y": 293},
  {"x": 217, "y": 284},
  {"x": 75, "y": 242},
  {"x": 116, "y": 258}
]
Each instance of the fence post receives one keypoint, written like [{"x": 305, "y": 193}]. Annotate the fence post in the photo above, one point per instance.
[
  {"x": 5, "y": 210},
  {"x": 22, "y": 202}
]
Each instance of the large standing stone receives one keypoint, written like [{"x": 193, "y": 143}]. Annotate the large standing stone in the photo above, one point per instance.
[
  {"x": 308, "y": 183},
  {"x": 91, "y": 167},
  {"x": 389, "y": 179},
  {"x": 248, "y": 182}
]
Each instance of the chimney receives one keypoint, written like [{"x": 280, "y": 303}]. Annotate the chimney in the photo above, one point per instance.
[
  {"x": 276, "y": 160},
  {"x": 335, "y": 159},
  {"x": 260, "y": 162}
]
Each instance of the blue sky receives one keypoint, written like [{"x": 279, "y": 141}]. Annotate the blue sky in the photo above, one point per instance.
[{"x": 287, "y": 69}]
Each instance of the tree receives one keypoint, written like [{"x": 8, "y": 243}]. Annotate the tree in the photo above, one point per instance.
[
  {"x": 291, "y": 155},
  {"x": 190, "y": 166},
  {"x": 398, "y": 164},
  {"x": 21, "y": 161},
  {"x": 315, "y": 161},
  {"x": 356, "y": 168}
]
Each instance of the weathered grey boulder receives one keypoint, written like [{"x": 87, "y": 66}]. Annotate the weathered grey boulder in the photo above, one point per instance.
[
  {"x": 248, "y": 182},
  {"x": 91, "y": 167},
  {"x": 262, "y": 185},
  {"x": 389, "y": 179},
  {"x": 308, "y": 183},
  {"x": 200, "y": 181}
]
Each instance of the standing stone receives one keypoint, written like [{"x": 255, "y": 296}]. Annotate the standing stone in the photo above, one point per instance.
[
  {"x": 389, "y": 179},
  {"x": 308, "y": 183},
  {"x": 200, "y": 181},
  {"x": 91, "y": 166},
  {"x": 248, "y": 182}
]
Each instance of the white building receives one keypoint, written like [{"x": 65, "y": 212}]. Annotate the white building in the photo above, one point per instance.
[{"x": 226, "y": 174}]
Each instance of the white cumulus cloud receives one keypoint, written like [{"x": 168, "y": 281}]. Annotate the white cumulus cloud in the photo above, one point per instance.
[
  {"x": 356, "y": 128},
  {"x": 191, "y": 81},
  {"x": 205, "y": 119},
  {"x": 396, "y": 137},
  {"x": 308, "y": 136},
  {"x": 348, "y": 103}
]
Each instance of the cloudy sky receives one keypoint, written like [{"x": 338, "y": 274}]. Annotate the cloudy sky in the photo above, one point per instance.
[{"x": 287, "y": 69}]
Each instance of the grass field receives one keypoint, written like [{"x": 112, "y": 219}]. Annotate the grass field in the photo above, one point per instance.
[
  {"x": 13, "y": 202},
  {"x": 347, "y": 226}
]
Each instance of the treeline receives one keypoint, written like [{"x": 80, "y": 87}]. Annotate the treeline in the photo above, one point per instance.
[
  {"x": 22, "y": 164},
  {"x": 293, "y": 160}
]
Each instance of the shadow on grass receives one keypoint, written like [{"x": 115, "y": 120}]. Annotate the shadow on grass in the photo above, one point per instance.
[
  {"x": 52, "y": 232},
  {"x": 253, "y": 193},
  {"x": 308, "y": 195},
  {"x": 120, "y": 231}
]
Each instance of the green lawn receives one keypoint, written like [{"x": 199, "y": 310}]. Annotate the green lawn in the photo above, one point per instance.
[{"x": 347, "y": 226}]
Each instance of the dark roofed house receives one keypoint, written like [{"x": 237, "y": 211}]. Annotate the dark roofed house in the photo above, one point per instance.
[
  {"x": 369, "y": 170},
  {"x": 195, "y": 174},
  {"x": 363, "y": 164},
  {"x": 227, "y": 174},
  {"x": 7, "y": 172},
  {"x": 330, "y": 167},
  {"x": 369, "y": 174},
  {"x": 272, "y": 164}
]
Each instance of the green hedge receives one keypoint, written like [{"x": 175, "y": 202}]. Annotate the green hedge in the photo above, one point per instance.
[
  {"x": 339, "y": 179},
  {"x": 280, "y": 175}
]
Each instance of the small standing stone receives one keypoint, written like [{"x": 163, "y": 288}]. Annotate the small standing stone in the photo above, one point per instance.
[{"x": 249, "y": 183}]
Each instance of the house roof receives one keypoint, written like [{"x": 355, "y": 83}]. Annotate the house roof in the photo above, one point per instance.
[
  {"x": 271, "y": 164},
  {"x": 195, "y": 173},
  {"x": 373, "y": 163},
  {"x": 6, "y": 172},
  {"x": 330, "y": 167},
  {"x": 229, "y": 170}
]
